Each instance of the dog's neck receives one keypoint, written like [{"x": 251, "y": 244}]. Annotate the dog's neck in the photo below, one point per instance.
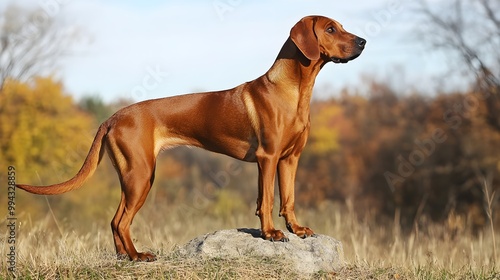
[{"x": 296, "y": 74}]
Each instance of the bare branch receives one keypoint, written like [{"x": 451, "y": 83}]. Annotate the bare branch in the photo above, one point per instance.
[
  {"x": 470, "y": 32},
  {"x": 490, "y": 13},
  {"x": 31, "y": 43}
]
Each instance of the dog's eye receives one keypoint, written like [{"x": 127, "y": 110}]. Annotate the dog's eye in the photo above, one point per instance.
[{"x": 330, "y": 30}]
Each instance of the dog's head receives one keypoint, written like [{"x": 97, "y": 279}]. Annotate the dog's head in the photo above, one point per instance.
[{"x": 319, "y": 37}]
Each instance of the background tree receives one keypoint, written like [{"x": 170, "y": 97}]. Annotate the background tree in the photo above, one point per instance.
[
  {"x": 31, "y": 42},
  {"x": 468, "y": 32},
  {"x": 96, "y": 106},
  {"x": 43, "y": 133}
]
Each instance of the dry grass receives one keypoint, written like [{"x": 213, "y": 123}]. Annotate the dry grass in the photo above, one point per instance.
[{"x": 372, "y": 251}]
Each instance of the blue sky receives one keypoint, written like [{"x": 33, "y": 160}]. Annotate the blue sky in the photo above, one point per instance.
[{"x": 148, "y": 49}]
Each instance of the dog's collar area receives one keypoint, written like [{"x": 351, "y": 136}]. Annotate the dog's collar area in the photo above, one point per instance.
[
  {"x": 339, "y": 60},
  {"x": 343, "y": 60}
]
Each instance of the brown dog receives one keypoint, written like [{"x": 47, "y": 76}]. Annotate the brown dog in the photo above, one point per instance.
[{"x": 264, "y": 121}]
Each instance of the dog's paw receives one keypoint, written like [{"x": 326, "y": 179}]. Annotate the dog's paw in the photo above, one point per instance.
[
  {"x": 275, "y": 235},
  {"x": 302, "y": 232},
  {"x": 144, "y": 257}
]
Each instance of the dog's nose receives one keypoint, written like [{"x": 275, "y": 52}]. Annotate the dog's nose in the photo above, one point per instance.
[{"x": 360, "y": 42}]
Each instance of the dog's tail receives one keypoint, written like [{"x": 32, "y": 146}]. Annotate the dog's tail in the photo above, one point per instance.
[{"x": 88, "y": 168}]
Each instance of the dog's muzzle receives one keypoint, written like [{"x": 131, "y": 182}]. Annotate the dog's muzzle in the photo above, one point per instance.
[{"x": 360, "y": 46}]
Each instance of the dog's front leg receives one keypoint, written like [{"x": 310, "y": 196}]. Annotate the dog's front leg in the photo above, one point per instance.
[
  {"x": 287, "y": 169},
  {"x": 265, "y": 200}
]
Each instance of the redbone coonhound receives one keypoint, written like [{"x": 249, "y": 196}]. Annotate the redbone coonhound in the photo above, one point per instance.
[{"x": 264, "y": 121}]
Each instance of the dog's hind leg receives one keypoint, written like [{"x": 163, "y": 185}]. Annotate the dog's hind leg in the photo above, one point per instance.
[
  {"x": 120, "y": 248},
  {"x": 135, "y": 189},
  {"x": 135, "y": 167}
]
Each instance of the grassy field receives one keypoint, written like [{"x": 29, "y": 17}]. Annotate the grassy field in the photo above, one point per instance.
[{"x": 59, "y": 249}]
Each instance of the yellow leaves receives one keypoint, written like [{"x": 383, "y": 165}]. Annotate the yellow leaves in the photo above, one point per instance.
[
  {"x": 227, "y": 203},
  {"x": 324, "y": 136},
  {"x": 42, "y": 130}
]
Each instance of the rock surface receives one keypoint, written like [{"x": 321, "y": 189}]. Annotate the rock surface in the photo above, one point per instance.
[{"x": 310, "y": 255}]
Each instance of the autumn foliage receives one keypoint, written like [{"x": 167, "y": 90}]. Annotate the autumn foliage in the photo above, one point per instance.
[
  {"x": 42, "y": 130},
  {"x": 422, "y": 157},
  {"x": 384, "y": 155}
]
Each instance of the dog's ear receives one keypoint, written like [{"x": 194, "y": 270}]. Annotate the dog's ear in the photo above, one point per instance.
[{"x": 302, "y": 34}]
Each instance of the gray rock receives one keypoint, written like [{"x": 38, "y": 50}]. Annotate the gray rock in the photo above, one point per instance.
[{"x": 309, "y": 255}]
